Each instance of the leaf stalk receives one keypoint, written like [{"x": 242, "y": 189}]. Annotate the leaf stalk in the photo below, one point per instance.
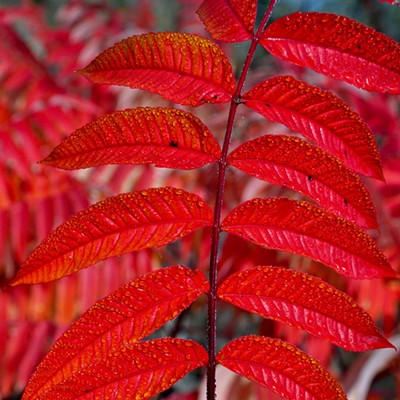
[{"x": 216, "y": 229}]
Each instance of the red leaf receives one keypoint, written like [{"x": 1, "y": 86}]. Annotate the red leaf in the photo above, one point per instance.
[
  {"x": 127, "y": 315},
  {"x": 337, "y": 46},
  {"x": 186, "y": 69},
  {"x": 301, "y": 228},
  {"x": 303, "y": 301},
  {"x": 280, "y": 367},
  {"x": 229, "y": 20},
  {"x": 319, "y": 116},
  {"x": 292, "y": 162},
  {"x": 165, "y": 137},
  {"x": 120, "y": 224},
  {"x": 136, "y": 371}
]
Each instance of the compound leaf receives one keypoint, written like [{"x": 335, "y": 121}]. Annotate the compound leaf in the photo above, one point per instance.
[
  {"x": 120, "y": 224},
  {"x": 294, "y": 163},
  {"x": 125, "y": 316},
  {"x": 165, "y": 137},
  {"x": 186, "y": 69},
  {"x": 304, "y": 229},
  {"x": 229, "y": 20},
  {"x": 337, "y": 46},
  {"x": 280, "y": 367},
  {"x": 319, "y": 116},
  {"x": 137, "y": 371},
  {"x": 303, "y": 301}
]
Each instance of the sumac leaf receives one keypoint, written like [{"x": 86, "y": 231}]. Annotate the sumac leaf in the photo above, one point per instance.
[
  {"x": 120, "y": 224},
  {"x": 165, "y": 137},
  {"x": 303, "y": 301},
  {"x": 137, "y": 371},
  {"x": 319, "y": 116},
  {"x": 304, "y": 229},
  {"x": 130, "y": 313},
  {"x": 186, "y": 69},
  {"x": 229, "y": 20},
  {"x": 337, "y": 46},
  {"x": 298, "y": 165},
  {"x": 280, "y": 367}
]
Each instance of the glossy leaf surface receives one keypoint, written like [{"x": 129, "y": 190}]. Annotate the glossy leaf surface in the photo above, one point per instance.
[
  {"x": 294, "y": 163},
  {"x": 165, "y": 137},
  {"x": 280, "y": 367},
  {"x": 120, "y": 224},
  {"x": 130, "y": 313},
  {"x": 303, "y": 229},
  {"x": 137, "y": 371},
  {"x": 186, "y": 69},
  {"x": 338, "y": 47},
  {"x": 303, "y": 301},
  {"x": 229, "y": 20},
  {"x": 320, "y": 117}
]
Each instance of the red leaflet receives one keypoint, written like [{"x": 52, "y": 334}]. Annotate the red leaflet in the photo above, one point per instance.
[
  {"x": 117, "y": 225},
  {"x": 306, "y": 302},
  {"x": 186, "y": 69},
  {"x": 292, "y": 162},
  {"x": 127, "y": 315},
  {"x": 337, "y": 46},
  {"x": 165, "y": 137},
  {"x": 136, "y": 371},
  {"x": 319, "y": 116},
  {"x": 301, "y": 228},
  {"x": 229, "y": 20},
  {"x": 281, "y": 367}
]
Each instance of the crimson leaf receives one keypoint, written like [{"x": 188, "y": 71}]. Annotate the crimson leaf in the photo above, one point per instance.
[
  {"x": 126, "y": 315},
  {"x": 229, "y": 20},
  {"x": 117, "y": 225},
  {"x": 301, "y": 228},
  {"x": 337, "y": 46},
  {"x": 280, "y": 367},
  {"x": 306, "y": 302},
  {"x": 292, "y": 162},
  {"x": 137, "y": 371},
  {"x": 319, "y": 116},
  {"x": 186, "y": 69},
  {"x": 165, "y": 137}
]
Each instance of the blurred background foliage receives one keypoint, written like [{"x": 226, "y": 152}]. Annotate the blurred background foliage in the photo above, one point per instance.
[{"x": 380, "y": 15}]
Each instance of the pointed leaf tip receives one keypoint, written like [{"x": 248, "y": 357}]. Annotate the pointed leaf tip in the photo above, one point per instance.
[
  {"x": 321, "y": 117},
  {"x": 304, "y": 229},
  {"x": 130, "y": 313},
  {"x": 120, "y": 224},
  {"x": 138, "y": 370},
  {"x": 303, "y": 301},
  {"x": 229, "y": 20},
  {"x": 186, "y": 69},
  {"x": 280, "y": 367},
  {"x": 337, "y": 46},
  {"x": 165, "y": 137}
]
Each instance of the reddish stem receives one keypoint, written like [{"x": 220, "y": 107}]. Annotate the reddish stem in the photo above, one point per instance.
[{"x": 216, "y": 230}]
